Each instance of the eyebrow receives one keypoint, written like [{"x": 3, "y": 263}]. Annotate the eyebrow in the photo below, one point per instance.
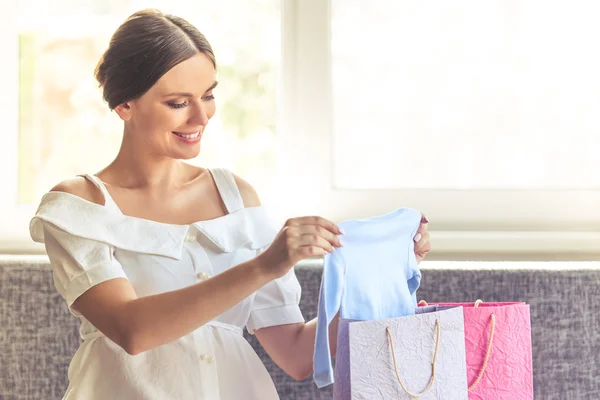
[{"x": 186, "y": 94}]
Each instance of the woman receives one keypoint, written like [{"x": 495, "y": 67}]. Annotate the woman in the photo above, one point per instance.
[{"x": 164, "y": 262}]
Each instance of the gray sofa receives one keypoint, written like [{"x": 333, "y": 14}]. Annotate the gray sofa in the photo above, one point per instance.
[{"x": 38, "y": 336}]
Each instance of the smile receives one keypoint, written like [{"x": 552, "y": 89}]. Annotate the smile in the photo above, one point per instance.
[{"x": 188, "y": 136}]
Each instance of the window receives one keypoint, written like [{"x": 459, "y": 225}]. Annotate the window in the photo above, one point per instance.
[
  {"x": 492, "y": 95},
  {"x": 481, "y": 115}
]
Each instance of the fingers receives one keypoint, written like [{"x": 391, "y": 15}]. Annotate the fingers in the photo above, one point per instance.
[
  {"x": 423, "y": 250},
  {"x": 313, "y": 230},
  {"x": 316, "y": 241},
  {"x": 422, "y": 246},
  {"x": 318, "y": 221},
  {"x": 312, "y": 251},
  {"x": 422, "y": 230},
  {"x": 423, "y": 225},
  {"x": 421, "y": 240},
  {"x": 312, "y": 235}
]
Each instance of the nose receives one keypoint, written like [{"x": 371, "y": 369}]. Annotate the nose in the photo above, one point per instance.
[{"x": 198, "y": 115}]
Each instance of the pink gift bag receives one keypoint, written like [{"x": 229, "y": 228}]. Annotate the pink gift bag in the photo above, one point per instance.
[{"x": 498, "y": 349}]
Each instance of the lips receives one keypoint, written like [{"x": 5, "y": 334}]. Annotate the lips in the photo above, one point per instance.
[{"x": 188, "y": 135}]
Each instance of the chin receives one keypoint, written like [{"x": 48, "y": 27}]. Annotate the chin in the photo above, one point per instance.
[
  {"x": 189, "y": 155},
  {"x": 185, "y": 155}
]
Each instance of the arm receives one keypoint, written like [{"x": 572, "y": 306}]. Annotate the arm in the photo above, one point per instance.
[
  {"x": 138, "y": 324},
  {"x": 292, "y": 346}
]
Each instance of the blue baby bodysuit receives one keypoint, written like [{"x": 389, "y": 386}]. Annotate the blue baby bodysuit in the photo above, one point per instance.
[{"x": 373, "y": 276}]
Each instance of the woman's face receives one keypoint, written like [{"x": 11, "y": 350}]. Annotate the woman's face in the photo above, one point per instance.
[{"x": 170, "y": 118}]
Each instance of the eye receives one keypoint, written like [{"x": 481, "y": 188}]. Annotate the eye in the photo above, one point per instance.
[
  {"x": 177, "y": 105},
  {"x": 209, "y": 97}
]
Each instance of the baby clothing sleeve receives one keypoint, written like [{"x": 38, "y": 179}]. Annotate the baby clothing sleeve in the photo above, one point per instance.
[{"x": 330, "y": 295}]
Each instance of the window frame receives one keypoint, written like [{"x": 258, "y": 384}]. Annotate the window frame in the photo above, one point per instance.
[{"x": 14, "y": 235}]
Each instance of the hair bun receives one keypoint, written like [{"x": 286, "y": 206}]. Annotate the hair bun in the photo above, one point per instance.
[
  {"x": 144, "y": 48},
  {"x": 100, "y": 72}
]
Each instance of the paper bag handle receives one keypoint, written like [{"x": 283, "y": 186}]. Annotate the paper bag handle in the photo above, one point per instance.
[
  {"x": 488, "y": 351},
  {"x": 435, "y": 354},
  {"x": 476, "y": 304}
]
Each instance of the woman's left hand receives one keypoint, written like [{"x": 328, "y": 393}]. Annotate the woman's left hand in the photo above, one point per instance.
[{"x": 422, "y": 243}]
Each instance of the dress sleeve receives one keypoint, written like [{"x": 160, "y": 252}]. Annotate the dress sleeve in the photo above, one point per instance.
[
  {"x": 78, "y": 263},
  {"x": 276, "y": 303}
]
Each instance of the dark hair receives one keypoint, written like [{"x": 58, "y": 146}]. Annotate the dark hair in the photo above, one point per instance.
[{"x": 144, "y": 48}]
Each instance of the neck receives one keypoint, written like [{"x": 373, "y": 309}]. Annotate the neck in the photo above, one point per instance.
[{"x": 137, "y": 169}]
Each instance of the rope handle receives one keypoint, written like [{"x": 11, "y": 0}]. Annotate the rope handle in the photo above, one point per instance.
[
  {"x": 435, "y": 354},
  {"x": 477, "y": 303},
  {"x": 488, "y": 350}
]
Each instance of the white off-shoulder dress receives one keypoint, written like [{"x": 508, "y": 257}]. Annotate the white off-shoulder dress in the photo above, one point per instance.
[{"x": 89, "y": 243}]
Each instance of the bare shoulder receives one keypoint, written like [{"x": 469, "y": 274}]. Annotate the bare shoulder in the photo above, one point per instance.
[
  {"x": 80, "y": 187},
  {"x": 248, "y": 193}
]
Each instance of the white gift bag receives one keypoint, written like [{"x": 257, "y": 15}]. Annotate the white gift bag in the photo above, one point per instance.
[{"x": 418, "y": 356}]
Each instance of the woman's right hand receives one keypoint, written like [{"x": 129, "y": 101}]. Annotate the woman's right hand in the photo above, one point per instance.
[{"x": 299, "y": 238}]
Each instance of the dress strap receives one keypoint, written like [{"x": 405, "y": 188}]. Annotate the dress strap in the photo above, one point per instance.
[
  {"x": 228, "y": 189},
  {"x": 108, "y": 200}
]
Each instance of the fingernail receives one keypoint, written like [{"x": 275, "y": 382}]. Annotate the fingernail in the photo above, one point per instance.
[
  {"x": 341, "y": 243},
  {"x": 418, "y": 237},
  {"x": 424, "y": 220},
  {"x": 341, "y": 231}
]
